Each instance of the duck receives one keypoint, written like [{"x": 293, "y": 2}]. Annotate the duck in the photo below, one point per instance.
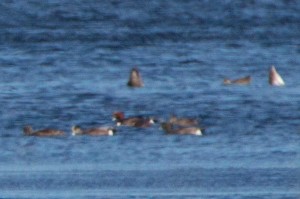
[
  {"x": 274, "y": 78},
  {"x": 241, "y": 81},
  {"x": 77, "y": 130},
  {"x": 171, "y": 130},
  {"x": 145, "y": 122},
  {"x": 135, "y": 79},
  {"x": 182, "y": 121},
  {"x": 28, "y": 131},
  {"x": 138, "y": 121}
]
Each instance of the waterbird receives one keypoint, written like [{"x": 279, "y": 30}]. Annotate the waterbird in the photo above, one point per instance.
[
  {"x": 136, "y": 121},
  {"x": 44, "y": 132},
  {"x": 170, "y": 129},
  {"x": 274, "y": 78},
  {"x": 241, "y": 81},
  {"x": 135, "y": 79},
  {"x": 182, "y": 121},
  {"x": 77, "y": 130}
]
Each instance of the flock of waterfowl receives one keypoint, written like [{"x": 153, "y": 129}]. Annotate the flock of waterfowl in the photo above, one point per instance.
[{"x": 175, "y": 125}]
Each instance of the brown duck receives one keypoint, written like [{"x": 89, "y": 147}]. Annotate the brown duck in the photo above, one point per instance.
[
  {"x": 135, "y": 79},
  {"x": 171, "y": 130},
  {"x": 137, "y": 121},
  {"x": 76, "y": 130},
  {"x": 183, "y": 121},
  {"x": 43, "y": 133},
  {"x": 242, "y": 81}
]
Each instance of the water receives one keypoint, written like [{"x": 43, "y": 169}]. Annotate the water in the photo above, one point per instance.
[{"x": 67, "y": 62}]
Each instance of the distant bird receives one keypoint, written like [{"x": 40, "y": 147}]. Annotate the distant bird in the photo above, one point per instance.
[
  {"x": 242, "y": 81},
  {"x": 183, "y": 121},
  {"x": 44, "y": 132},
  {"x": 274, "y": 77},
  {"x": 76, "y": 130},
  {"x": 135, "y": 79},
  {"x": 170, "y": 129},
  {"x": 145, "y": 122},
  {"x": 137, "y": 121}
]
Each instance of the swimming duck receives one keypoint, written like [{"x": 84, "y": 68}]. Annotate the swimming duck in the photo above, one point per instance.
[
  {"x": 137, "y": 121},
  {"x": 76, "y": 130},
  {"x": 44, "y": 132},
  {"x": 182, "y": 121},
  {"x": 171, "y": 130},
  {"x": 241, "y": 81},
  {"x": 145, "y": 122},
  {"x": 274, "y": 78},
  {"x": 135, "y": 79}
]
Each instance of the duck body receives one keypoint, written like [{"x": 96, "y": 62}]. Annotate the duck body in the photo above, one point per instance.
[
  {"x": 182, "y": 121},
  {"x": 170, "y": 129},
  {"x": 28, "y": 131},
  {"x": 137, "y": 121},
  {"x": 108, "y": 131},
  {"x": 242, "y": 81},
  {"x": 135, "y": 79},
  {"x": 274, "y": 78},
  {"x": 144, "y": 123}
]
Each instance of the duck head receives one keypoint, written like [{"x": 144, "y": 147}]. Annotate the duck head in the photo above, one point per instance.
[{"x": 76, "y": 130}]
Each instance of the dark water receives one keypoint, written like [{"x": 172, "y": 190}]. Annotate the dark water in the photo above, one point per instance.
[{"x": 67, "y": 62}]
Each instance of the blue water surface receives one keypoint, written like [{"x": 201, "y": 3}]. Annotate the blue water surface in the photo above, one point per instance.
[{"x": 67, "y": 63}]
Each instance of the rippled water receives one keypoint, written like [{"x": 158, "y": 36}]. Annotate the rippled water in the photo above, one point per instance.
[{"x": 67, "y": 62}]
